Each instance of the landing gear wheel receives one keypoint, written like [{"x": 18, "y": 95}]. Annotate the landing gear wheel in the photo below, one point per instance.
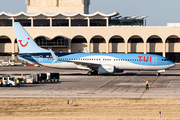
[
  {"x": 89, "y": 73},
  {"x": 95, "y": 73}
]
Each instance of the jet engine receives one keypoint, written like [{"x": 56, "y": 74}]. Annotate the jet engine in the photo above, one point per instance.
[{"x": 106, "y": 69}]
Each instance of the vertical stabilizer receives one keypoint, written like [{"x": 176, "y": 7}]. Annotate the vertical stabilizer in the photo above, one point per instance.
[{"x": 25, "y": 43}]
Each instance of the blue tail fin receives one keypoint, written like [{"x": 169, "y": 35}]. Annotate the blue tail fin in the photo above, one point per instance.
[{"x": 25, "y": 43}]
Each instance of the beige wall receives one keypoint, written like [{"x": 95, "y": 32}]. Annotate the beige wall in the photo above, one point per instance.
[
  {"x": 51, "y": 6},
  {"x": 98, "y": 47},
  {"x": 7, "y": 47},
  {"x": 106, "y": 33},
  {"x": 172, "y": 47},
  {"x": 117, "y": 47},
  {"x": 154, "y": 47},
  {"x": 76, "y": 47},
  {"x": 16, "y": 47},
  {"x": 136, "y": 47}
]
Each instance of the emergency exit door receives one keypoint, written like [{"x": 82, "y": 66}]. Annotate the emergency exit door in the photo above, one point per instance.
[
  {"x": 40, "y": 59},
  {"x": 154, "y": 60}
]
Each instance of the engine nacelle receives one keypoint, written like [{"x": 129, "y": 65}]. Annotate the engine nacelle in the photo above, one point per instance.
[{"x": 106, "y": 69}]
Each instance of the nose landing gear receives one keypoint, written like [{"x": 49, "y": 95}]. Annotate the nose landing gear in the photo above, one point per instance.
[
  {"x": 160, "y": 71},
  {"x": 158, "y": 74}
]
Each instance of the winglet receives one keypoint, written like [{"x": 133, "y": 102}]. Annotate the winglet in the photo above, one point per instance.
[
  {"x": 85, "y": 50},
  {"x": 54, "y": 56}
]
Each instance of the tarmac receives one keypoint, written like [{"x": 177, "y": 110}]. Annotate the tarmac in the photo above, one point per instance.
[{"x": 77, "y": 84}]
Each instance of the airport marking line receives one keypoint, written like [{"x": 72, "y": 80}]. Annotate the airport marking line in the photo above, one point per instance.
[
  {"x": 102, "y": 84},
  {"x": 169, "y": 84}
]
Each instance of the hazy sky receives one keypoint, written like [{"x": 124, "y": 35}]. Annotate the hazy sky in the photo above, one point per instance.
[{"x": 160, "y": 12}]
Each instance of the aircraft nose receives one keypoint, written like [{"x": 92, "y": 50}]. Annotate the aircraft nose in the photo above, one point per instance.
[{"x": 172, "y": 64}]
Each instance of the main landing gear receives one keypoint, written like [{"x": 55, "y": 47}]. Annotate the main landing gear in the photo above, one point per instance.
[{"x": 94, "y": 72}]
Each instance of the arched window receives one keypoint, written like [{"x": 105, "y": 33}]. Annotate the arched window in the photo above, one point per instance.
[
  {"x": 154, "y": 39},
  {"x": 135, "y": 39},
  {"x": 56, "y": 42},
  {"x": 5, "y": 39},
  {"x": 79, "y": 39}
]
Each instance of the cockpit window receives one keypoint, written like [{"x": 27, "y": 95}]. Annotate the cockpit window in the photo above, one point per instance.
[{"x": 164, "y": 59}]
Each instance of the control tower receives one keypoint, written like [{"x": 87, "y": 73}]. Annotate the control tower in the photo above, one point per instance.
[{"x": 54, "y": 6}]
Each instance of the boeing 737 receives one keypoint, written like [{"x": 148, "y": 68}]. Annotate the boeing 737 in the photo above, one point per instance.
[{"x": 94, "y": 63}]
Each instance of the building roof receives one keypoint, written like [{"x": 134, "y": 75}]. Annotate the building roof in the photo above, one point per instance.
[{"x": 58, "y": 14}]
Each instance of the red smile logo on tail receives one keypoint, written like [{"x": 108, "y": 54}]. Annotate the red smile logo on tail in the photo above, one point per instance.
[{"x": 20, "y": 41}]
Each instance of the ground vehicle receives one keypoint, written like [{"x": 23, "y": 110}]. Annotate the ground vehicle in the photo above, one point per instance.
[
  {"x": 33, "y": 78},
  {"x": 53, "y": 76},
  {"x": 3, "y": 63},
  {"x": 42, "y": 77},
  {"x": 11, "y": 62},
  {"x": 21, "y": 80},
  {"x": 8, "y": 81}
]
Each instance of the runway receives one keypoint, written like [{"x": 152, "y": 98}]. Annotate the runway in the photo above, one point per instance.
[{"x": 77, "y": 84}]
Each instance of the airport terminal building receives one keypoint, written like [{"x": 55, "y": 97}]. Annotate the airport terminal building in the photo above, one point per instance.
[{"x": 67, "y": 26}]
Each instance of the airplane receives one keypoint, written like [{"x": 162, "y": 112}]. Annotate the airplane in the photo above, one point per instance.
[{"x": 94, "y": 63}]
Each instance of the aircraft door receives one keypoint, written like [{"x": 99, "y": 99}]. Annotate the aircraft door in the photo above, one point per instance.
[
  {"x": 40, "y": 59},
  {"x": 154, "y": 60}
]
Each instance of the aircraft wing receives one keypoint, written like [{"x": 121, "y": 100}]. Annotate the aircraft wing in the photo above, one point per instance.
[{"x": 81, "y": 64}]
